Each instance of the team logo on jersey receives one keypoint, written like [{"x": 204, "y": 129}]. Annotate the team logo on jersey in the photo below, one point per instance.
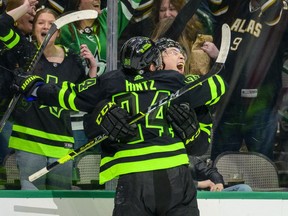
[
  {"x": 191, "y": 78},
  {"x": 86, "y": 84},
  {"x": 101, "y": 65}
]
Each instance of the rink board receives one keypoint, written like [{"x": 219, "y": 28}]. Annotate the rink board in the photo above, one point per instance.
[{"x": 100, "y": 203}]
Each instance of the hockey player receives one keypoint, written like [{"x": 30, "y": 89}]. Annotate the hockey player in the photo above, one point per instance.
[
  {"x": 93, "y": 33},
  {"x": 153, "y": 161},
  {"x": 181, "y": 117}
]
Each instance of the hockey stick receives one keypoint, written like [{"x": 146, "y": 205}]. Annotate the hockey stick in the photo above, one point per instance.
[
  {"x": 184, "y": 15},
  {"x": 71, "y": 17},
  {"x": 217, "y": 67}
]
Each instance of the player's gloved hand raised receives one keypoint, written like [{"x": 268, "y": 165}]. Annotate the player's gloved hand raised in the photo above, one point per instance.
[
  {"x": 26, "y": 84},
  {"x": 113, "y": 121},
  {"x": 183, "y": 121}
]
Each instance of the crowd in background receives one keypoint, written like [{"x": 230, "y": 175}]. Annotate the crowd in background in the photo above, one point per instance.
[{"x": 252, "y": 115}]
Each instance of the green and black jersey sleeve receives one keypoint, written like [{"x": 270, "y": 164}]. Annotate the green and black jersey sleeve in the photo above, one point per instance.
[
  {"x": 207, "y": 93},
  {"x": 17, "y": 49},
  {"x": 8, "y": 35},
  {"x": 198, "y": 145}
]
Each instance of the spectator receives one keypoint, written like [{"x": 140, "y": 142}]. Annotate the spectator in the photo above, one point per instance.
[
  {"x": 199, "y": 52},
  {"x": 43, "y": 134},
  {"x": 248, "y": 113},
  {"x": 144, "y": 20},
  {"x": 164, "y": 9},
  {"x": 94, "y": 32},
  {"x": 9, "y": 60},
  {"x": 199, "y": 26},
  {"x": 208, "y": 178},
  {"x": 140, "y": 168},
  {"x": 16, "y": 57}
]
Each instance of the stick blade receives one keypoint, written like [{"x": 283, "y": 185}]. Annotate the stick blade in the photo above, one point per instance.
[
  {"x": 75, "y": 16},
  {"x": 225, "y": 44}
]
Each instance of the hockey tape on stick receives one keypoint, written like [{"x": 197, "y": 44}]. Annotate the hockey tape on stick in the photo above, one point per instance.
[
  {"x": 217, "y": 67},
  {"x": 64, "y": 20}
]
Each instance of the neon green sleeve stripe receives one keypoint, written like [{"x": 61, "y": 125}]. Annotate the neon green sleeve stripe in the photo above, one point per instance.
[
  {"x": 61, "y": 95},
  {"x": 222, "y": 84},
  {"x": 213, "y": 90},
  {"x": 14, "y": 42},
  {"x": 8, "y": 36},
  {"x": 205, "y": 127},
  {"x": 41, "y": 134},
  {"x": 215, "y": 100},
  {"x": 71, "y": 98}
]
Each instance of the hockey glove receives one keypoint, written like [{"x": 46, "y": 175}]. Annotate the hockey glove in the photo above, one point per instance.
[
  {"x": 113, "y": 121},
  {"x": 26, "y": 84},
  {"x": 184, "y": 122}
]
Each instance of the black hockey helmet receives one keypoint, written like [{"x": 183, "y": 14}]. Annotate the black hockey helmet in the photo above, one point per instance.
[
  {"x": 164, "y": 43},
  {"x": 139, "y": 52}
]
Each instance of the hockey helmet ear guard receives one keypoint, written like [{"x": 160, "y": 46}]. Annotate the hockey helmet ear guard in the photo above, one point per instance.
[
  {"x": 163, "y": 43},
  {"x": 138, "y": 53}
]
